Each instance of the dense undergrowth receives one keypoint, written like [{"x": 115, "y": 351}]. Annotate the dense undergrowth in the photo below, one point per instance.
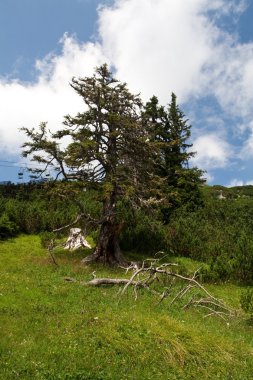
[
  {"x": 53, "y": 329},
  {"x": 219, "y": 233}
]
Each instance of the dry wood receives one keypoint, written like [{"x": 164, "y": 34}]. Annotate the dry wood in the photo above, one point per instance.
[
  {"x": 109, "y": 281},
  {"x": 78, "y": 218},
  {"x": 151, "y": 271},
  {"x": 50, "y": 250},
  {"x": 76, "y": 240}
]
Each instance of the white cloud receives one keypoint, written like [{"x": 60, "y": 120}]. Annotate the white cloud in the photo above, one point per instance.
[
  {"x": 178, "y": 45},
  {"x": 159, "y": 46},
  {"x": 212, "y": 152},
  {"x": 156, "y": 47},
  {"x": 50, "y": 97},
  {"x": 247, "y": 148},
  {"x": 238, "y": 182},
  {"x": 162, "y": 46},
  {"x": 208, "y": 177},
  {"x": 232, "y": 76}
]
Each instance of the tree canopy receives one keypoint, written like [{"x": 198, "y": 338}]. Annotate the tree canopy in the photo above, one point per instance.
[
  {"x": 126, "y": 151},
  {"x": 108, "y": 150},
  {"x": 170, "y": 130}
]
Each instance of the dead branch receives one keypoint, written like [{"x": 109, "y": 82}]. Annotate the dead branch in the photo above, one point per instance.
[
  {"x": 109, "y": 281},
  {"x": 50, "y": 250},
  {"x": 79, "y": 217},
  {"x": 151, "y": 272}
]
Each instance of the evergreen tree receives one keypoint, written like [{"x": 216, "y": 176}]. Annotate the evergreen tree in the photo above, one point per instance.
[
  {"x": 109, "y": 150},
  {"x": 171, "y": 132}
]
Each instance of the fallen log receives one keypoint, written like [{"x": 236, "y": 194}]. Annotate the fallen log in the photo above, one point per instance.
[
  {"x": 109, "y": 281},
  {"x": 171, "y": 285}
]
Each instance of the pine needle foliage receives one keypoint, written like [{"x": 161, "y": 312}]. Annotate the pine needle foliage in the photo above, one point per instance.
[{"x": 109, "y": 150}]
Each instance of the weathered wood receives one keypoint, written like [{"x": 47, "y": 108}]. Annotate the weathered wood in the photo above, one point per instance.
[
  {"x": 108, "y": 281},
  {"x": 76, "y": 240},
  {"x": 145, "y": 276},
  {"x": 78, "y": 218}
]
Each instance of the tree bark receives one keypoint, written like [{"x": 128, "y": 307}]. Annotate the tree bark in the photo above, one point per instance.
[{"x": 107, "y": 249}]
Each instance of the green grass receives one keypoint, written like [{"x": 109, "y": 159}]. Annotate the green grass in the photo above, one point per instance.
[{"x": 53, "y": 329}]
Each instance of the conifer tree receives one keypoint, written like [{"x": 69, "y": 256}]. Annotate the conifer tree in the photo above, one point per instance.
[
  {"x": 170, "y": 130},
  {"x": 108, "y": 150}
]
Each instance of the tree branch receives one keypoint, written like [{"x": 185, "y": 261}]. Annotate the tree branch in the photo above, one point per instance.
[{"x": 145, "y": 276}]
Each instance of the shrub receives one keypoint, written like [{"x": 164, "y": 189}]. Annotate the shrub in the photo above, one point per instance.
[
  {"x": 145, "y": 235},
  {"x": 7, "y": 227},
  {"x": 219, "y": 234}
]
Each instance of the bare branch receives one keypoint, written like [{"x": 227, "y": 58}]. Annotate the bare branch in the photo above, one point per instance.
[
  {"x": 151, "y": 271},
  {"x": 78, "y": 218},
  {"x": 110, "y": 281}
]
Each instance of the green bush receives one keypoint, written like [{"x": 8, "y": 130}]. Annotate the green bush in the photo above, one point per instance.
[
  {"x": 7, "y": 227},
  {"x": 219, "y": 234},
  {"x": 144, "y": 234}
]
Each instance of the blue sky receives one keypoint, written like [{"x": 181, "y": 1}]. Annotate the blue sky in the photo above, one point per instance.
[
  {"x": 30, "y": 29},
  {"x": 200, "y": 49}
]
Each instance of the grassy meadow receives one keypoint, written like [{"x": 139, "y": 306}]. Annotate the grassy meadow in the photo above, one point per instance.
[{"x": 54, "y": 329}]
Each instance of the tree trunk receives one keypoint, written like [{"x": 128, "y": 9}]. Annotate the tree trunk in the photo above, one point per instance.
[{"x": 107, "y": 249}]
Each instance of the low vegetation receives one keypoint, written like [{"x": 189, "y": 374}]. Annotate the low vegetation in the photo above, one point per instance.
[
  {"x": 122, "y": 175},
  {"x": 53, "y": 329},
  {"x": 219, "y": 233}
]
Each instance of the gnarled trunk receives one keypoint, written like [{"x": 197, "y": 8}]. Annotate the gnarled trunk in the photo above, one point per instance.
[{"x": 107, "y": 249}]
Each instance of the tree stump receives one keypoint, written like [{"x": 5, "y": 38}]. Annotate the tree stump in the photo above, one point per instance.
[{"x": 76, "y": 240}]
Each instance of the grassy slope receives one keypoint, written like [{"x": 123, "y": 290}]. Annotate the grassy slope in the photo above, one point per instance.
[{"x": 52, "y": 329}]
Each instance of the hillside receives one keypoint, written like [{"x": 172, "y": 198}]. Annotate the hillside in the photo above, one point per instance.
[
  {"x": 235, "y": 192},
  {"x": 53, "y": 329}
]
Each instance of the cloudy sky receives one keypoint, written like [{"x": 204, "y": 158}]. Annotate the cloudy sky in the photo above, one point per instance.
[{"x": 200, "y": 49}]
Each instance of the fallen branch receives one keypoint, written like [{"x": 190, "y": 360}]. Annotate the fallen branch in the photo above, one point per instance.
[
  {"x": 50, "y": 250},
  {"x": 151, "y": 272},
  {"x": 109, "y": 281}
]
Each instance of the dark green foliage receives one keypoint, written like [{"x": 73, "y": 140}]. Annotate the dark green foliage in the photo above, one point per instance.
[
  {"x": 108, "y": 150},
  {"x": 170, "y": 132},
  {"x": 219, "y": 234},
  {"x": 36, "y": 209},
  {"x": 35, "y": 216},
  {"x": 7, "y": 227},
  {"x": 145, "y": 234}
]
